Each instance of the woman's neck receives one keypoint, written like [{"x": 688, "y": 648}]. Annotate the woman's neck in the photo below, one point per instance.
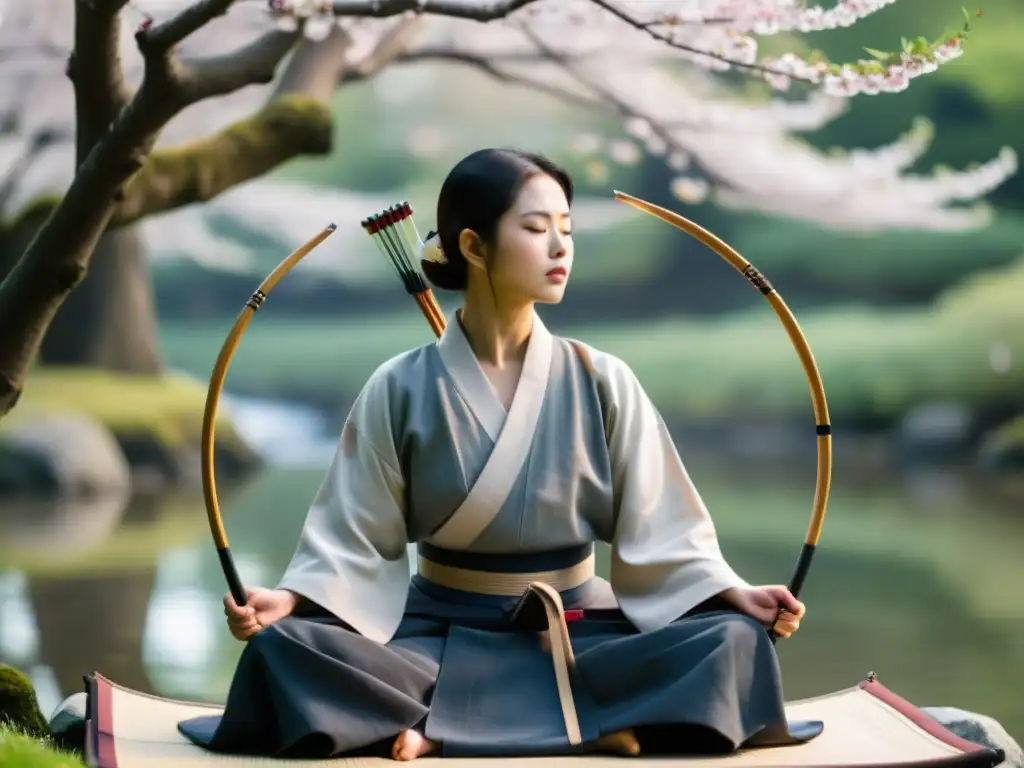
[{"x": 497, "y": 335}]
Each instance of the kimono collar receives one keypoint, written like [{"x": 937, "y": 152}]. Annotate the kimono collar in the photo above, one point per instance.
[{"x": 473, "y": 384}]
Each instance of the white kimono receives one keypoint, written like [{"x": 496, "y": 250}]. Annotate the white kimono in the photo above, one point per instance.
[{"x": 428, "y": 453}]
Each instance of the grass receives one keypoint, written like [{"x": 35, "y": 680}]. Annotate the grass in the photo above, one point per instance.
[
  {"x": 18, "y": 750},
  {"x": 874, "y": 362}
]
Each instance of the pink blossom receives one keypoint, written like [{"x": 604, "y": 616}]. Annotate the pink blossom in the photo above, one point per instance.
[
  {"x": 948, "y": 51},
  {"x": 652, "y": 76}
]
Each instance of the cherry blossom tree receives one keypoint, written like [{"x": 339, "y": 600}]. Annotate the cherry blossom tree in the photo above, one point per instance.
[{"x": 177, "y": 103}]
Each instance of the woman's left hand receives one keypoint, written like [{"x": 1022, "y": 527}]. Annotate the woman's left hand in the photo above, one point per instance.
[{"x": 763, "y": 603}]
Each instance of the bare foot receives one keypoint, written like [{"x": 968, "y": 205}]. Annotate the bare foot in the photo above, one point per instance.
[
  {"x": 411, "y": 744},
  {"x": 621, "y": 743}
]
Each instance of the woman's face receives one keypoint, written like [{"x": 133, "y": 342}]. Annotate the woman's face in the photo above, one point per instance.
[{"x": 534, "y": 253}]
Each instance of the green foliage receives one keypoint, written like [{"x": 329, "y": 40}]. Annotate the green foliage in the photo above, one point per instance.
[
  {"x": 874, "y": 363},
  {"x": 1003, "y": 447},
  {"x": 281, "y": 357},
  {"x": 632, "y": 252},
  {"x": 894, "y": 265},
  {"x": 19, "y": 708}
]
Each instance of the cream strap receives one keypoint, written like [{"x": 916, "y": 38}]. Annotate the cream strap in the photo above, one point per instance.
[{"x": 562, "y": 656}]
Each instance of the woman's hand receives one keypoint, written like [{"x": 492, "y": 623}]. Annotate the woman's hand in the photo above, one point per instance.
[
  {"x": 262, "y": 608},
  {"x": 763, "y": 603}
]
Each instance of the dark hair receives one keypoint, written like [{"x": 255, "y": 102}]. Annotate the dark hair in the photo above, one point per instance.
[{"x": 475, "y": 195}]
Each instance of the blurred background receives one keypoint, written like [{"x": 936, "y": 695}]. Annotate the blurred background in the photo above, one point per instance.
[{"x": 917, "y": 326}]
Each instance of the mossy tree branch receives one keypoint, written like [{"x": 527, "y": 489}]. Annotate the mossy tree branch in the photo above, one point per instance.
[
  {"x": 288, "y": 126},
  {"x": 197, "y": 172},
  {"x": 57, "y": 258},
  {"x": 295, "y": 121}
]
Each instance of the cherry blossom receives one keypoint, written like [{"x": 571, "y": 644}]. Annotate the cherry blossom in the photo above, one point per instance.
[{"x": 656, "y": 67}]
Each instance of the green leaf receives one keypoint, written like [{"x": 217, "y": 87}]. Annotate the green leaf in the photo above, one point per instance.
[
  {"x": 817, "y": 57},
  {"x": 880, "y": 55}
]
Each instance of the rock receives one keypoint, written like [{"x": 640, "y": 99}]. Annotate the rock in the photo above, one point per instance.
[
  {"x": 67, "y": 723},
  {"x": 979, "y": 729},
  {"x": 157, "y": 466},
  {"x": 19, "y": 706},
  {"x": 936, "y": 431},
  {"x": 62, "y": 455}
]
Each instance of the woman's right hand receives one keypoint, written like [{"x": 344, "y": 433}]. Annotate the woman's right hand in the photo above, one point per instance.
[{"x": 262, "y": 608}]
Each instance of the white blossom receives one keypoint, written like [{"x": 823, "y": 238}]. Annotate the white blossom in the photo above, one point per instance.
[
  {"x": 653, "y": 66},
  {"x": 191, "y": 233}
]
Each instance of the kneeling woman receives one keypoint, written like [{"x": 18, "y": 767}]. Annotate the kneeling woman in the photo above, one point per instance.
[{"x": 505, "y": 452}]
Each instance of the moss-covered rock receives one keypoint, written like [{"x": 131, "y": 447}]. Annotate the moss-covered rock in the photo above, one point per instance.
[
  {"x": 69, "y": 454},
  {"x": 155, "y": 420},
  {"x": 19, "y": 707}
]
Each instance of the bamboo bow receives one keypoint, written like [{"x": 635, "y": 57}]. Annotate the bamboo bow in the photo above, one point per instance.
[
  {"x": 220, "y": 371},
  {"x": 823, "y": 426}
]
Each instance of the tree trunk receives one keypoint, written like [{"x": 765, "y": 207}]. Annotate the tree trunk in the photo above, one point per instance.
[
  {"x": 61, "y": 306},
  {"x": 109, "y": 321}
]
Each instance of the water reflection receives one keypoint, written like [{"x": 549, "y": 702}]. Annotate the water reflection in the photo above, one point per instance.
[
  {"x": 918, "y": 578},
  {"x": 82, "y": 591}
]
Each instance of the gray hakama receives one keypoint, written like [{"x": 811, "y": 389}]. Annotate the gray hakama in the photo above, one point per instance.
[{"x": 497, "y": 501}]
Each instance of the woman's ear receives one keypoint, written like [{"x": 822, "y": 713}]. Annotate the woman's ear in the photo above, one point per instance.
[{"x": 472, "y": 249}]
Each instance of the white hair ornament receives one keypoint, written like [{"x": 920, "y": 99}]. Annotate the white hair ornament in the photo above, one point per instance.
[{"x": 430, "y": 249}]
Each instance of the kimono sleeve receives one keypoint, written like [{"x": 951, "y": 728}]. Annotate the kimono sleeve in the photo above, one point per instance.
[
  {"x": 665, "y": 555},
  {"x": 352, "y": 555}
]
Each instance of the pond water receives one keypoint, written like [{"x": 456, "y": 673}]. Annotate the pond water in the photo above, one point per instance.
[{"x": 919, "y": 577}]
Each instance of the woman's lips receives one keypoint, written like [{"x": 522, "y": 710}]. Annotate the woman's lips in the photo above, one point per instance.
[{"x": 558, "y": 275}]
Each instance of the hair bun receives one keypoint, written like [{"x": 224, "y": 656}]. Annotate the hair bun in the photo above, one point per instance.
[{"x": 448, "y": 276}]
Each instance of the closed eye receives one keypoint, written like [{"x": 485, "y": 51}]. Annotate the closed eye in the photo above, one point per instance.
[{"x": 531, "y": 218}]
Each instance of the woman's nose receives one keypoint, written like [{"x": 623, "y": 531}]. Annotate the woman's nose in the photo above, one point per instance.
[{"x": 559, "y": 250}]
